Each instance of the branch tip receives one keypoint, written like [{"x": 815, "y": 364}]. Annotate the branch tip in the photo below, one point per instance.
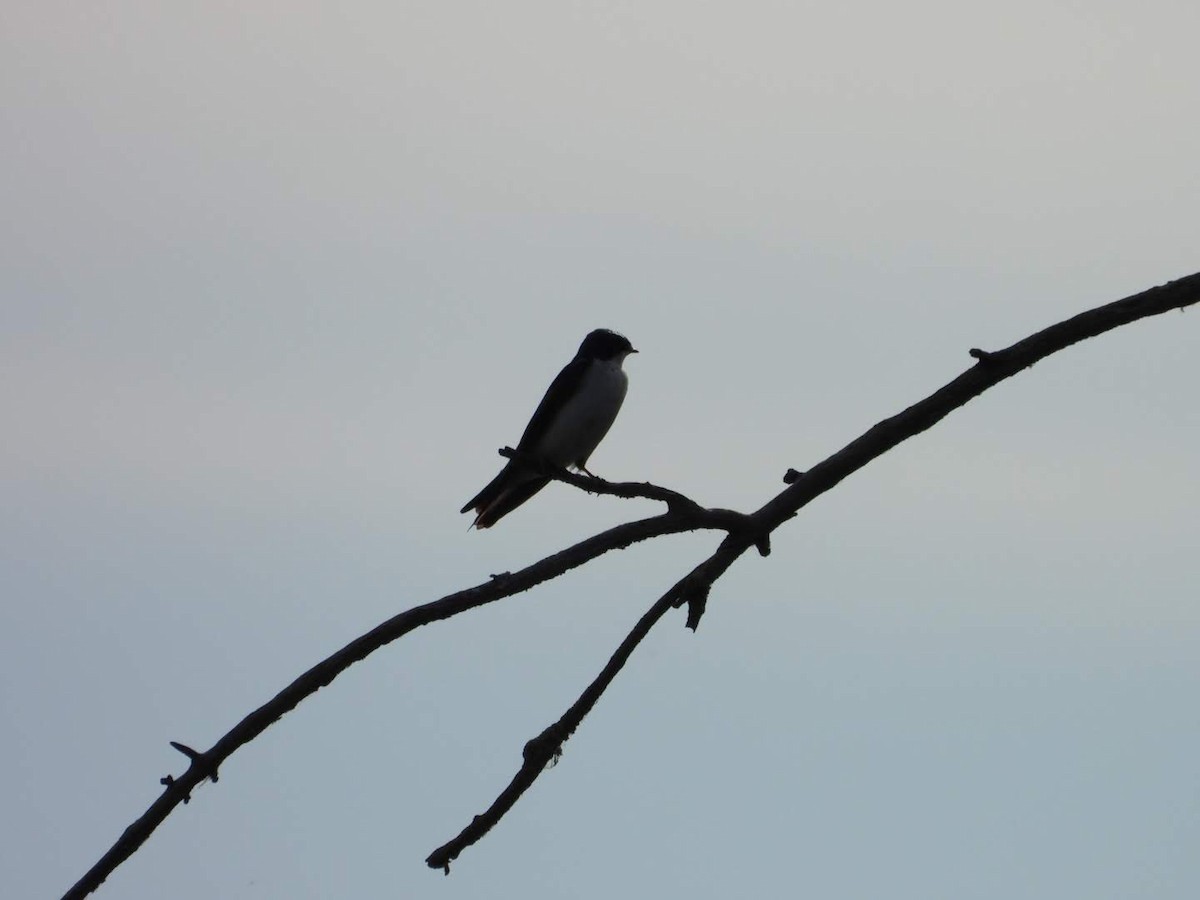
[
  {"x": 187, "y": 751},
  {"x": 696, "y": 599},
  {"x": 441, "y": 859}
]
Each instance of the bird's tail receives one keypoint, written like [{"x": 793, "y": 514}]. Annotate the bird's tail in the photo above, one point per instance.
[{"x": 504, "y": 493}]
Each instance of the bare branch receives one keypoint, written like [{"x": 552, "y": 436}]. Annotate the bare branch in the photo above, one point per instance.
[
  {"x": 543, "y": 750},
  {"x": 596, "y": 485},
  {"x": 991, "y": 369},
  {"x": 204, "y": 765}
]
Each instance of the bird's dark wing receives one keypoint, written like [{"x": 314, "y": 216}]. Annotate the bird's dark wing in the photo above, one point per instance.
[
  {"x": 516, "y": 482},
  {"x": 561, "y": 388},
  {"x": 509, "y": 498}
]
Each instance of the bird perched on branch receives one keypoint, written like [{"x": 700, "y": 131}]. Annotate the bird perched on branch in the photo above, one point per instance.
[{"x": 572, "y": 419}]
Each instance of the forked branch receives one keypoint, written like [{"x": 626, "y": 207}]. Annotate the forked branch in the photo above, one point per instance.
[{"x": 743, "y": 532}]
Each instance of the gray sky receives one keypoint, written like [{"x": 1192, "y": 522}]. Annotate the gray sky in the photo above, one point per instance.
[{"x": 277, "y": 282}]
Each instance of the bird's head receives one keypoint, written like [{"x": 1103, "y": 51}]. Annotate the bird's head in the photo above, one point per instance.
[{"x": 606, "y": 345}]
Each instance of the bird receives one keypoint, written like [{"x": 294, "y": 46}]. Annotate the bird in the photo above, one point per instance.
[{"x": 574, "y": 416}]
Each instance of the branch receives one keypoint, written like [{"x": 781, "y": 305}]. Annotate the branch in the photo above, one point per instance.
[
  {"x": 542, "y": 751},
  {"x": 728, "y": 520},
  {"x": 686, "y": 517},
  {"x": 991, "y": 369},
  {"x": 596, "y": 485},
  {"x": 755, "y": 529}
]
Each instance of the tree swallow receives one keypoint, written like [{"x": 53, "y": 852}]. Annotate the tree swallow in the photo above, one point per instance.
[{"x": 569, "y": 423}]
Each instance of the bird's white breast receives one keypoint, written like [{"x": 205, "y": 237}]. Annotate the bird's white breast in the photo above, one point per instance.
[{"x": 586, "y": 417}]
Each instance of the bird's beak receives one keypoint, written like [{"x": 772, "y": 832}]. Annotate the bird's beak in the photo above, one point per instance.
[{"x": 631, "y": 350}]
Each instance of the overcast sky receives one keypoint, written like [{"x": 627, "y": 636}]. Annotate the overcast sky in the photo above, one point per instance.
[{"x": 276, "y": 282}]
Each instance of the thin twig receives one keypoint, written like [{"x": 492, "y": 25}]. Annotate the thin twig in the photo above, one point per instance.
[
  {"x": 595, "y": 485},
  {"x": 541, "y": 751}
]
